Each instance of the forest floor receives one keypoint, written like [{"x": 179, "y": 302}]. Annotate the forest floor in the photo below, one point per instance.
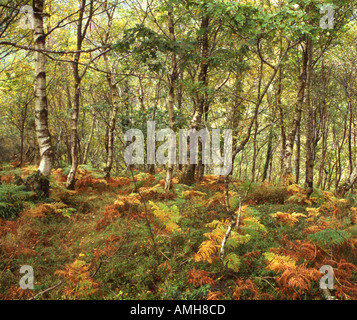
[{"x": 121, "y": 238}]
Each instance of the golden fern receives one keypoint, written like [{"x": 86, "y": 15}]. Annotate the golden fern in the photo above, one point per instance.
[
  {"x": 167, "y": 216},
  {"x": 210, "y": 247},
  {"x": 207, "y": 249},
  {"x": 279, "y": 262},
  {"x": 193, "y": 194},
  {"x": 80, "y": 284},
  {"x": 288, "y": 218},
  {"x": 216, "y": 295}
]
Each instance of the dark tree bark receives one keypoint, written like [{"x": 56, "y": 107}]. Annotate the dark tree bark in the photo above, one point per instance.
[
  {"x": 189, "y": 175},
  {"x": 82, "y": 29},
  {"x": 287, "y": 162},
  {"x": 269, "y": 154},
  {"x": 309, "y": 124},
  {"x": 115, "y": 100}
]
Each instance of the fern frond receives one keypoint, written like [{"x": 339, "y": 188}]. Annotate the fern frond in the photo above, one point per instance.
[
  {"x": 169, "y": 217},
  {"x": 207, "y": 249},
  {"x": 329, "y": 238},
  {"x": 245, "y": 289},
  {"x": 288, "y": 218},
  {"x": 80, "y": 284},
  {"x": 216, "y": 295},
  {"x": 232, "y": 261},
  {"x": 199, "y": 278},
  {"x": 279, "y": 262}
]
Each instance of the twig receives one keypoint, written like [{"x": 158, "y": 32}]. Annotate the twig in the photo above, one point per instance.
[
  {"x": 265, "y": 279},
  {"x": 96, "y": 270},
  {"x": 107, "y": 260},
  {"x": 47, "y": 290},
  {"x": 165, "y": 255}
]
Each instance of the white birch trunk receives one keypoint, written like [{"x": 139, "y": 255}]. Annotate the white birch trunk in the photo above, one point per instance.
[{"x": 41, "y": 110}]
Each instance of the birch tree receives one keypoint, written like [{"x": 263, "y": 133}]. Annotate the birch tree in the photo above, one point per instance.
[
  {"x": 171, "y": 96},
  {"x": 41, "y": 109}
]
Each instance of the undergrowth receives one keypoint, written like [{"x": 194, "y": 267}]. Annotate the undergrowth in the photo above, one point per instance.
[{"x": 122, "y": 239}]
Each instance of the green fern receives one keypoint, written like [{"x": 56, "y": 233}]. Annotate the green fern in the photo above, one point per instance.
[
  {"x": 329, "y": 238},
  {"x": 235, "y": 240},
  {"x": 232, "y": 261},
  {"x": 12, "y": 200}
]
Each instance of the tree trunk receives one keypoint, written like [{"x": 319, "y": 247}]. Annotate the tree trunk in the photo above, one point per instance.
[
  {"x": 287, "y": 162},
  {"x": 324, "y": 128},
  {"x": 341, "y": 191},
  {"x": 281, "y": 118},
  {"x": 81, "y": 33},
  {"x": 41, "y": 108},
  {"x": 323, "y": 156},
  {"x": 298, "y": 154},
  {"x": 189, "y": 175},
  {"x": 254, "y": 159},
  {"x": 74, "y": 124},
  {"x": 171, "y": 96},
  {"x": 151, "y": 166},
  {"x": 87, "y": 146},
  {"x": 269, "y": 153},
  {"x": 350, "y": 153},
  {"x": 339, "y": 154},
  {"x": 309, "y": 124},
  {"x": 22, "y": 134},
  {"x": 115, "y": 100}
]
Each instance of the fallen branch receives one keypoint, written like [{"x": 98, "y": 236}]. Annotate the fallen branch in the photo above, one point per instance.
[
  {"x": 99, "y": 266},
  {"x": 47, "y": 290}
]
